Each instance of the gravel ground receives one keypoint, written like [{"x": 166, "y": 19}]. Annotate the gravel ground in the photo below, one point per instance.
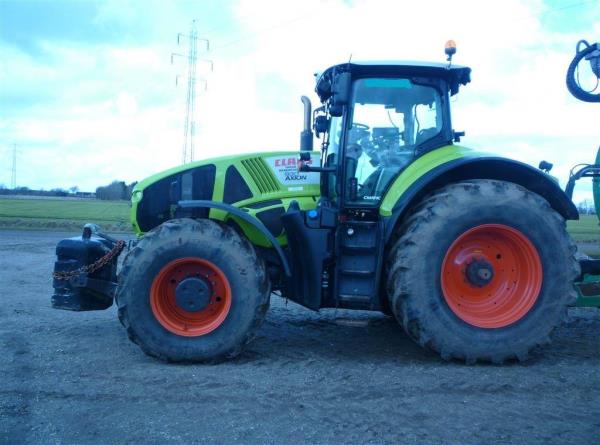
[{"x": 328, "y": 377}]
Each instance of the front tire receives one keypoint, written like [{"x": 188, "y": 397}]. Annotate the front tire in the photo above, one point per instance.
[
  {"x": 192, "y": 291},
  {"x": 482, "y": 270}
]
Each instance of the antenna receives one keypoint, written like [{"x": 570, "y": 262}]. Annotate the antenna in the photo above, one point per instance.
[
  {"x": 189, "y": 127},
  {"x": 13, "y": 175}
]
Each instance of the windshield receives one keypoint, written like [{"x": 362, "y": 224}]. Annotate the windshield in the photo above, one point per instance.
[{"x": 390, "y": 119}]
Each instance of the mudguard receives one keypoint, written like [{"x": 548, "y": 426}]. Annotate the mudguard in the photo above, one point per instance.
[
  {"x": 455, "y": 163},
  {"x": 201, "y": 204}
]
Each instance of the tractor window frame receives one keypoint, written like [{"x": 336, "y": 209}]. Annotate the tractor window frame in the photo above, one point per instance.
[{"x": 442, "y": 138}]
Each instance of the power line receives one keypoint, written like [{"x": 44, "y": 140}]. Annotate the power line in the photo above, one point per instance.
[
  {"x": 189, "y": 127},
  {"x": 541, "y": 13},
  {"x": 562, "y": 8},
  {"x": 266, "y": 30}
]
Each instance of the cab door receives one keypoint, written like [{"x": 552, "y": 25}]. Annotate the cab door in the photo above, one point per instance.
[{"x": 386, "y": 121}]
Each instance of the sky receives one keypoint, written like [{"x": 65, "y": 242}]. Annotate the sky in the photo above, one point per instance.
[{"x": 88, "y": 91}]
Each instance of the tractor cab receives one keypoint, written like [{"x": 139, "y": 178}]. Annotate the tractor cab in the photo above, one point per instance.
[{"x": 376, "y": 118}]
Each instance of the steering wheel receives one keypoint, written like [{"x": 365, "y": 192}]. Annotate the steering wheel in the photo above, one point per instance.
[
  {"x": 359, "y": 126},
  {"x": 357, "y": 133}
]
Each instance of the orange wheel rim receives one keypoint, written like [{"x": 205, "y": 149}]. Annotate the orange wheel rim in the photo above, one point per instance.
[
  {"x": 190, "y": 297},
  {"x": 491, "y": 276}
]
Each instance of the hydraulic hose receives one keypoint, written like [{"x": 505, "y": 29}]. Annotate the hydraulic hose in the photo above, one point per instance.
[{"x": 573, "y": 86}]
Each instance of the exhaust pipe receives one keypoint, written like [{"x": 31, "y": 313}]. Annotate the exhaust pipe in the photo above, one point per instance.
[{"x": 306, "y": 136}]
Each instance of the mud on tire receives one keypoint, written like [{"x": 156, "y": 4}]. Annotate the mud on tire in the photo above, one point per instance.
[
  {"x": 201, "y": 241},
  {"x": 416, "y": 260}
]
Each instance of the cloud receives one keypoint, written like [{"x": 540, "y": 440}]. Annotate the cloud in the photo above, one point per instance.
[
  {"x": 517, "y": 104},
  {"x": 89, "y": 109}
]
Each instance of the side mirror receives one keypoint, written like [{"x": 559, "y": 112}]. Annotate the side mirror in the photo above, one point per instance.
[
  {"x": 321, "y": 125},
  {"x": 340, "y": 90},
  {"x": 336, "y": 110}
]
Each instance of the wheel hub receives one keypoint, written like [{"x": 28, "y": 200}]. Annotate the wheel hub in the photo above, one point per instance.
[
  {"x": 193, "y": 294},
  {"x": 190, "y": 296},
  {"x": 491, "y": 276},
  {"x": 479, "y": 272}
]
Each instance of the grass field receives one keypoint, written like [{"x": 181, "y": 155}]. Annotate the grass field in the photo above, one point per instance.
[
  {"x": 61, "y": 213},
  {"x": 51, "y": 213},
  {"x": 585, "y": 230}
]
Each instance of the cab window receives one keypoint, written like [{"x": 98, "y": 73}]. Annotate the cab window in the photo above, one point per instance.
[{"x": 390, "y": 119}]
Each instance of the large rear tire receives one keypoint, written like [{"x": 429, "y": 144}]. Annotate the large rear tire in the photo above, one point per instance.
[
  {"x": 192, "y": 291},
  {"x": 482, "y": 270}
]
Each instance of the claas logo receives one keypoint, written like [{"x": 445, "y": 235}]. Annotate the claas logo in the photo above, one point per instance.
[{"x": 289, "y": 162}]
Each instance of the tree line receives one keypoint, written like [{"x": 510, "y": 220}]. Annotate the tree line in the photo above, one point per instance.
[{"x": 114, "y": 191}]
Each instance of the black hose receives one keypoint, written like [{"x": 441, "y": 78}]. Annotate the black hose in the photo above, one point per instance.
[{"x": 574, "y": 88}]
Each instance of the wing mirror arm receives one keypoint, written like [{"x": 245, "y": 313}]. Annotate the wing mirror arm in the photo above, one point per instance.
[{"x": 303, "y": 167}]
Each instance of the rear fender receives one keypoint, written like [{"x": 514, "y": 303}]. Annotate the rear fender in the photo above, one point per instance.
[{"x": 473, "y": 167}]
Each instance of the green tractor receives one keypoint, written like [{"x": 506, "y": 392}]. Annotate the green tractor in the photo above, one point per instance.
[
  {"x": 588, "y": 285},
  {"x": 467, "y": 250}
]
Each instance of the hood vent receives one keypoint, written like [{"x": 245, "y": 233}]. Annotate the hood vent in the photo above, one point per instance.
[{"x": 261, "y": 175}]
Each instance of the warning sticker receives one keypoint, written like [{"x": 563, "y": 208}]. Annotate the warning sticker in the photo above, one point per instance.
[{"x": 285, "y": 169}]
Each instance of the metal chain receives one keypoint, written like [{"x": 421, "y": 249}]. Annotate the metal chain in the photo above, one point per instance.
[{"x": 91, "y": 268}]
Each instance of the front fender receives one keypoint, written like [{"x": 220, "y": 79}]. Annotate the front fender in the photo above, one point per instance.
[
  {"x": 199, "y": 204},
  {"x": 455, "y": 164}
]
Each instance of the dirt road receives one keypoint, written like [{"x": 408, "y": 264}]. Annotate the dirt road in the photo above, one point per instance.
[{"x": 329, "y": 377}]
